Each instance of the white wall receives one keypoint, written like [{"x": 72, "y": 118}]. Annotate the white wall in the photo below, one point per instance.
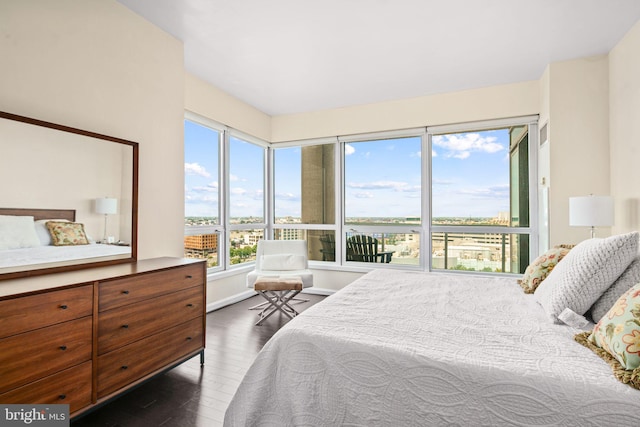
[
  {"x": 624, "y": 102},
  {"x": 95, "y": 65}
]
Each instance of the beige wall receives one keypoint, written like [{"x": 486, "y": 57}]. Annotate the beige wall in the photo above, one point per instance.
[
  {"x": 208, "y": 101},
  {"x": 95, "y": 65},
  {"x": 494, "y": 102},
  {"x": 624, "y": 102},
  {"x": 578, "y": 117}
]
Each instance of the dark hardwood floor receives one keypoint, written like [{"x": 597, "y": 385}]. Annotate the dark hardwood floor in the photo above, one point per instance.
[{"x": 190, "y": 395}]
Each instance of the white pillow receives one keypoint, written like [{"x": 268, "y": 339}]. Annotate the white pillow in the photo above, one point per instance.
[
  {"x": 43, "y": 232},
  {"x": 17, "y": 232},
  {"x": 284, "y": 262},
  {"x": 626, "y": 281},
  {"x": 585, "y": 273}
]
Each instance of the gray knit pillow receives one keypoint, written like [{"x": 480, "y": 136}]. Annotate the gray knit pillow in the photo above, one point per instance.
[
  {"x": 628, "y": 279},
  {"x": 585, "y": 273}
]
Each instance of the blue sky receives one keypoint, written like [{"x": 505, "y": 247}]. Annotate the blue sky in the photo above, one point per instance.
[{"x": 382, "y": 178}]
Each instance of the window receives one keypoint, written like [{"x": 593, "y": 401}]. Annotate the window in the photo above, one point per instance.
[
  {"x": 481, "y": 198},
  {"x": 202, "y": 192},
  {"x": 457, "y": 197},
  {"x": 224, "y": 193},
  {"x": 382, "y": 198},
  {"x": 246, "y": 198},
  {"x": 304, "y": 197}
]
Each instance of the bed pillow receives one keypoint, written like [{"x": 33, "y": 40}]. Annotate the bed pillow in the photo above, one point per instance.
[
  {"x": 616, "y": 337},
  {"x": 17, "y": 232},
  {"x": 67, "y": 233},
  {"x": 43, "y": 232},
  {"x": 630, "y": 277},
  {"x": 285, "y": 262},
  {"x": 585, "y": 273},
  {"x": 539, "y": 269}
]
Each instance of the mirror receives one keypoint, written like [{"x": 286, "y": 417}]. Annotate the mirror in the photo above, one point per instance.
[{"x": 59, "y": 174}]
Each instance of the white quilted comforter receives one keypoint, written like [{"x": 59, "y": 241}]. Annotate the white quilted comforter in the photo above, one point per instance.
[{"x": 423, "y": 349}]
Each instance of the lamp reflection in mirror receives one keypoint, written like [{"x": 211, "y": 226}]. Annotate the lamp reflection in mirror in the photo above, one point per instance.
[
  {"x": 106, "y": 206},
  {"x": 591, "y": 211}
]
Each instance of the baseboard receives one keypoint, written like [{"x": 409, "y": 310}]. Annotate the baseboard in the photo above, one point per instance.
[
  {"x": 230, "y": 300},
  {"x": 249, "y": 293},
  {"x": 318, "y": 291}
]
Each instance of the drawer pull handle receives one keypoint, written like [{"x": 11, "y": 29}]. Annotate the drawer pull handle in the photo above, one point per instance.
[
  {"x": 125, "y": 292},
  {"x": 62, "y": 396},
  {"x": 64, "y": 307},
  {"x": 123, "y": 367},
  {"x": 189, "y": 276},
  {"x": 125, "y": 326},
  {"x": 189, "y": 338},
  {"x": 189, "y": 305},
  {"x": 63, "y": 347}
]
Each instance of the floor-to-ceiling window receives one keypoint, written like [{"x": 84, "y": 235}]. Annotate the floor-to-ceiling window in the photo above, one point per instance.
[
  {"x": 481, "y": 201},
  {"x": 246, "y": 198},
  {"x": 203, "y": 228},
  {"x": 453, "y": 197},
  {"x": 382, "y": 198},
  {"x": 304, "y": 197},
  {"x": 224, "y": 193}
]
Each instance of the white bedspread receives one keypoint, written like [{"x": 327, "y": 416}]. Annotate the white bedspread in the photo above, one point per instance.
[
  {"x": 58, "y": 254},
  {"x": 423, "y": 349}
]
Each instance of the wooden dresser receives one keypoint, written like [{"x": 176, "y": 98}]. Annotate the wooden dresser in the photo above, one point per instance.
[{"x": 84, "y": 337}]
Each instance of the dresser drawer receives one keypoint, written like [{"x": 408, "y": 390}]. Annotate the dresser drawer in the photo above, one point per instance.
[
  {"x": 130, "y": 323},
  {"x": 120, "y": 367},
  {"x": 24, "y": 314},
  {"x": 120, "y": 292},
  {"x": 32, "y": 355},
  {"x": 71, "y": 386}
]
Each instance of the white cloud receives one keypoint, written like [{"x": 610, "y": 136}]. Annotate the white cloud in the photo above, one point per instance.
[
  {"x": 363, "y": 195},
  {"x": 384, "y": 185},
  {"x": 348, "y": 149},
  {"x": 233, "y": 177},
  {"x": 209, "y": 188},
  {"x": 460, "y": 146},
  {"x": 433, "y": 153},
  {"x": 196, "y": 169},
  {"x": 238, "y": 191}
]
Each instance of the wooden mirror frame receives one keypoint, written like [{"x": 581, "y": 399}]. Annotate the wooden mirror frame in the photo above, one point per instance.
[{"x": 33, "y": 270}]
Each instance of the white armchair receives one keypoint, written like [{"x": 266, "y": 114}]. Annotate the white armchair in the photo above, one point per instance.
[
  {"x": 281, "y": 272},
  {"x": 281, "y": 258}
]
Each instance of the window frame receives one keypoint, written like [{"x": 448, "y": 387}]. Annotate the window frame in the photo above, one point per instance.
[
  {"x": 424, "y": 230},
  {"x": 532, "y": 229},
  {"x": 382, "y": 228}
]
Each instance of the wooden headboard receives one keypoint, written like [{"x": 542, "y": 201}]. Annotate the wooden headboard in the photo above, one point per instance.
[{"x": 68, "y": 214}]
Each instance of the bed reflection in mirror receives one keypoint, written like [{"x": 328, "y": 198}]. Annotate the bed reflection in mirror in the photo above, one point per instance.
[{"x": 52, "y": 210}]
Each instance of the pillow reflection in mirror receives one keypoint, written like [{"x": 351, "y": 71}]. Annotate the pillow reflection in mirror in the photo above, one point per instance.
[{"x": 17, "y": 232}]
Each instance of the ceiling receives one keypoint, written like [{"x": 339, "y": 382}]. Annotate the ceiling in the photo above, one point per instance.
[{"x": 292, "y": 56}]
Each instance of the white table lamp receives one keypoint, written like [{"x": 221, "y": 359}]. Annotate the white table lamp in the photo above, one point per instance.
[
  {"x": 591, "y": 211},
  {"x": 106, "y": 206}
]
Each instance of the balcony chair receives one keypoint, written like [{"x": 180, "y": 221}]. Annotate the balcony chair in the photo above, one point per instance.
[
  {"x": 363, "y": 248},
  {"x": 328, "y": 250},
  {"x": 281, "y": 272}
]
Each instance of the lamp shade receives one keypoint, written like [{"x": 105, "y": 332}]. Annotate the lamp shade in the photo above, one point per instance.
[
  {"x": 106, "y": 205},
  {"x": 591, "y": 211}
]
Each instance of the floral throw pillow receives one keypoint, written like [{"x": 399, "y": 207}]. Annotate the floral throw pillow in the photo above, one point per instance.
[
  {"x": 539, "y": 269},
  {"x": 67, "y": 233},
  {"x": 616, "y": 338}
]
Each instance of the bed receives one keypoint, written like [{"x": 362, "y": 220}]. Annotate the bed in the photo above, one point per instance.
[
  {"x": 41, "y": 252},
  {"x": 412, "y": 348}
]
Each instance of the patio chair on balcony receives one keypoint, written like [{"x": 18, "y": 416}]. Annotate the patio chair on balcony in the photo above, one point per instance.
[
  {"x": 363, "y": 248},
  {"x": 328, "y": 250}
]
